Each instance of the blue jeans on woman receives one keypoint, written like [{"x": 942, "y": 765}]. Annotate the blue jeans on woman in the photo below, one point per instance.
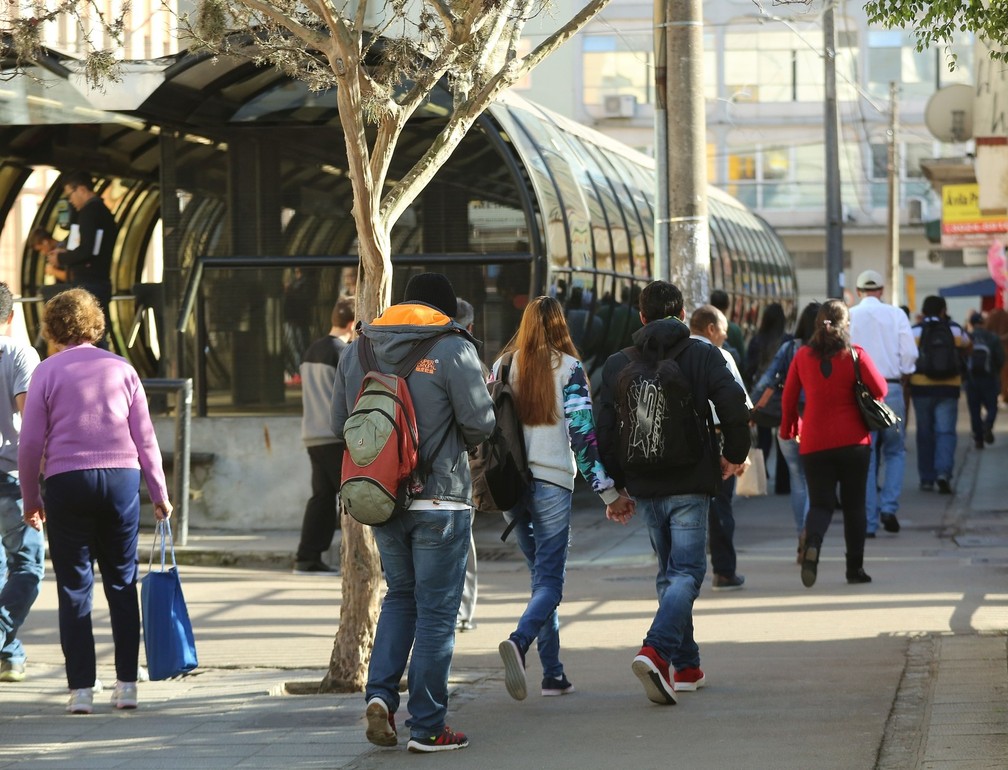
[
  {"x": 543, "y": 533},
  {"x": 22, "y": 566},
  {"x": 678, "y": 528},
  {"x": 424, "y": 556},
  {"x": 799, "y": 487}
]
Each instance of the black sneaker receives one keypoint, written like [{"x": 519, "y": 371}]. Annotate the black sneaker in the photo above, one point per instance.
[
  {"x": 446, "y": 741},
  {"x": 727, "y": 582},
  {"x": 514, "y": 669},
  {"x": 889, "y": 522},
  {"x": 553, "y": 686},
  {"x": 989, "y": 436},
  {"x": 944, "y": 487},
  {"x": 317, "y": 567}
]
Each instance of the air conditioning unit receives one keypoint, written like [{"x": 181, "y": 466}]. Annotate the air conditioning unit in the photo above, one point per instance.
[
  {"x": 619, "y": 105},
  {"x": 916, "y": 209}
]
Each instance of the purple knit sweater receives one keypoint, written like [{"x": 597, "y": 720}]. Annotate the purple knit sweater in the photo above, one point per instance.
[{"x": 86, "y": 408}]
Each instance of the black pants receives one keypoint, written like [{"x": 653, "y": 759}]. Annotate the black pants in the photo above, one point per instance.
[
  {"x": 847, "y": 466},
  {"x": 321, "y": 516},
  {"x": 721, "y": 529}
]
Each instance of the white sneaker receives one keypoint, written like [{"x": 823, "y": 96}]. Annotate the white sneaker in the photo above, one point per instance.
[
  {"x": 81, "y": 701},
  {"x": 124, "y": 696}
]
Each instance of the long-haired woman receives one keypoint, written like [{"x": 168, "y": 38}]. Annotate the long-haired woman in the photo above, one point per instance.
[
  {"x": 789, "y": 447},
  {"x": 832, "y": 436},
  {"x": 554, "y": 405}
]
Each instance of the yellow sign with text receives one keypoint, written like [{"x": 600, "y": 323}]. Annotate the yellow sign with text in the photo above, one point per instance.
[{"x": 962, "y": 223}]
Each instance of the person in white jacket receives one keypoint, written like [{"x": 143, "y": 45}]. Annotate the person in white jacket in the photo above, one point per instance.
[{"x": 554, "y": 405}]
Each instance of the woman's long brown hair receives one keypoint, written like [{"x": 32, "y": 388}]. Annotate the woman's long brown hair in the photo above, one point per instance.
[{"x": 541, "y": 337}]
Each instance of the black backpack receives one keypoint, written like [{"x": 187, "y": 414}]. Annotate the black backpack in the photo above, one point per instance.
[
  {"x": 499, "y": 465},
  {"x": 980, "y": 358},
  {"x": 659, "y": 425},
  {"x": 937, "y": 357}
]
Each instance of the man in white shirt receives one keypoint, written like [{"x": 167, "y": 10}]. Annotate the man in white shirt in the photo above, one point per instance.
[
  {"x": 884, "y": 333},
  {"x": 710, "y": 325}
]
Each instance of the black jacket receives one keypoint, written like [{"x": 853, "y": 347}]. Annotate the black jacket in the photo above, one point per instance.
[{"x": 712, "y": 381}]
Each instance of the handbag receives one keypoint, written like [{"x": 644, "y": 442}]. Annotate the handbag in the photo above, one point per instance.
[
  {"x": 768, "y": 405},
  {"x": 753, "y": 481},
  {"x": 167, "y": 631},
  {"x": 877, "y": 414},
  {"x": 767, "y": 408}
]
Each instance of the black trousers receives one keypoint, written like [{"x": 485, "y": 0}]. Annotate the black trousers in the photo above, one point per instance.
[
  {"x": 321, "y": 516},
  {"x": 847, "y": 466}
]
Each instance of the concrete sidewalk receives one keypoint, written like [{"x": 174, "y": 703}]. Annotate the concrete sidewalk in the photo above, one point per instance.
[{"x": 910, "y": 671}]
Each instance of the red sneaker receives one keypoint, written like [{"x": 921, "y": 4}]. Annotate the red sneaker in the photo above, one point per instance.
[
  {"x": 380, "y": 723},
  {"x": 654, "y": 675},
  {"x": 446, "y": 741},
  {"x": 689, "y": 679}
]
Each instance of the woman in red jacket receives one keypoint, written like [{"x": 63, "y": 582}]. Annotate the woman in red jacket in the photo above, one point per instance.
[{"x": 832, "y": 436}]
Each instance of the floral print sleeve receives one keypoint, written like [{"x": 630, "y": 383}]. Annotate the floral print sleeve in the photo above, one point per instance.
[{"x": 580, "y": 423}]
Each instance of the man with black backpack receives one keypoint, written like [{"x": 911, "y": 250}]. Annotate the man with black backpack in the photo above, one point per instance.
[
  {"x": 424, "y": 548},
  {"x": 934, "y": 387},
  {"x": 983, "y": 381},
  {"x": 657, "y": 440}
]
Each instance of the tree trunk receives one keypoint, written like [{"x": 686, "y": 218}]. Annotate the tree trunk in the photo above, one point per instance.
[{"x": 360, "y": 564}]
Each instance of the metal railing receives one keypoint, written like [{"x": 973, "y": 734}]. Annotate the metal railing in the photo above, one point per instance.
[{"x": 183, "y": 390}]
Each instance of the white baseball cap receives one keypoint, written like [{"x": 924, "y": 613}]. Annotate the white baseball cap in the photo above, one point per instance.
[{"x": 870, "y": 280}]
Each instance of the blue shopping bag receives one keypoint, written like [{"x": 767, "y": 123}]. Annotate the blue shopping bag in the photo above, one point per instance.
[{"x": 167, "y": 631}]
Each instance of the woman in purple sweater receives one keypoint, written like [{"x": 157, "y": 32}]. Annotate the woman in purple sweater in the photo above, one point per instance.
[{"x": 86, "y": 423}]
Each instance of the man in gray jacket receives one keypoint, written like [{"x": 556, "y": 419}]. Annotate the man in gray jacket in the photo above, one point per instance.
[{"x": 423, "y": 550}]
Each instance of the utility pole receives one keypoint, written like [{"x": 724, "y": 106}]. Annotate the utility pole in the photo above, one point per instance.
[
  {"x": 892, "y": 221},
  {"x": 688, "y": 255},
  {"x": 834, "y": 205},
  {"x": 660, "y": 269}
]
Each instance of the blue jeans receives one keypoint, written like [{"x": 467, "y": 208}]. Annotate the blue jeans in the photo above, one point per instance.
[
  {"x": 22, "y": 565},
  {"x": 889, "y": 446},
  {"x": 936, "y": 436},
  {"x": 543, "y": 532},
  {"x": 678, "y": 528},
  {"x": 424, "y": 555},
  {"x": 982, "y": 394},
  {"x": 799, "y": 487}
]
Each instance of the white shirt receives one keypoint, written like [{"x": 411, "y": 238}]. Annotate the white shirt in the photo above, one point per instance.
[
  {"x": 730, "y": 361},
  {"x": 884, "y": 333}
]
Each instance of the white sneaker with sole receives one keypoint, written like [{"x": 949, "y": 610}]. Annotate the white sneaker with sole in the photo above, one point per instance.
[
  {"x": 81, "y": 701},
  {"x": 124, "y": 696}
]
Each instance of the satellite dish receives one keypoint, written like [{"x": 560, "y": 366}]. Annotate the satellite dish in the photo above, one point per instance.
[{"x": 949, "y": 113}]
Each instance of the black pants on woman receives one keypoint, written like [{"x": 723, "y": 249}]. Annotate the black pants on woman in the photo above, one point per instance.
[{"x": 848, "y": 466}]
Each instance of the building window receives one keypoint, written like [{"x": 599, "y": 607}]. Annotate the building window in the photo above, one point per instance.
[
  {"x": 774, "y": 63},
  {"x": 620, "y": 65},
  {"x": 892, "y": 57}
]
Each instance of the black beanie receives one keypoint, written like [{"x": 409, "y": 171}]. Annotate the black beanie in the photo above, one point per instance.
[{"x": 432, "y": 289}]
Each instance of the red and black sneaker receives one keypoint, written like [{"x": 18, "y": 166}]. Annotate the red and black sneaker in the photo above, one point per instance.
[
  {"x": 654, "y": 675},
  {"x": 448, "y": 740},
  {"x": 380, "y": 723}
]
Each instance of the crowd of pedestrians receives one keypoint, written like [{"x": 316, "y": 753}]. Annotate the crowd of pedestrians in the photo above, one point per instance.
[{"x": 668, "y": 432}]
